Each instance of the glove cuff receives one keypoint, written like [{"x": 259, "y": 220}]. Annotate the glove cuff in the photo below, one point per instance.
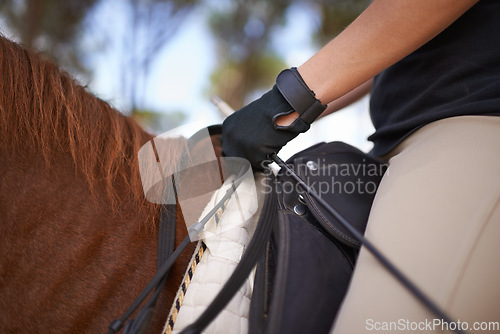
[{"x": 298, "y": 95}]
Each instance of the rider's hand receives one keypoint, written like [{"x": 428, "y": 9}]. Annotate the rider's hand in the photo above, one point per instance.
[{"x": 252, "y": 132}]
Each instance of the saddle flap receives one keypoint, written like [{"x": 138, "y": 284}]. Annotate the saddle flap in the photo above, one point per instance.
[
  {"x": 311, "y": 277},
  {"x": 346, "y": 178}
]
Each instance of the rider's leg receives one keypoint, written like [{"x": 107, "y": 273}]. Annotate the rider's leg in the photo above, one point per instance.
[{"x": 437, "y": 217}]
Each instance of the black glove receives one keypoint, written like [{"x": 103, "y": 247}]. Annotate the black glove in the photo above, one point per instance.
[{"x": 252, "y": 132}]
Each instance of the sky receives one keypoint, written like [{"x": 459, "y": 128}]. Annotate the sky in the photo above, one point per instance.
[{"x": 181, "y": 73}]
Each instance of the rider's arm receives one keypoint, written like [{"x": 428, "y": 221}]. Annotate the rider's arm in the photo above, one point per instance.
[{"x": 386, "y": 32}]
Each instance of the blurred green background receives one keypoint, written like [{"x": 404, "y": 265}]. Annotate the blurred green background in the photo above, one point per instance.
[{"x": 161, "y": 61}]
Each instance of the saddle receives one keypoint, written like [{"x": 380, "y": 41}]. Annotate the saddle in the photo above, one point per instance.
[
  {"x": 304, "y": 247},
  {"x": 305, "y": 270}
]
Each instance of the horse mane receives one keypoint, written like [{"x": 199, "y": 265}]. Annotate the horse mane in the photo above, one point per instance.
[{"x": 44, "y": 110}]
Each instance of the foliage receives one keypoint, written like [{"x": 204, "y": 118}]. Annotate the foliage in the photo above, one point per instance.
[
  {"x": 157, "y": 122},
  {"x": 51, "y": 26},
  {"x": 55, "y": 27},
  {"x": 243, "y": 34},
  {"x": 242, "y": 30},
  {"x": 152, "y": 24},
  {"x": 335, "y": 16}
]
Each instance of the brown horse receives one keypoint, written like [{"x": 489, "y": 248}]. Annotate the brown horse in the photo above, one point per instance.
[{"x": 78, "y": 240}]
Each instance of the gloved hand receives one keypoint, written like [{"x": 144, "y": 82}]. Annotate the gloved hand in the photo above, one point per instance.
[{"x": 252, "y": 132}]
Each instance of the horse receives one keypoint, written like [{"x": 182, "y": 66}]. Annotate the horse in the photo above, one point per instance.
[{"x": 78, "y": 239}]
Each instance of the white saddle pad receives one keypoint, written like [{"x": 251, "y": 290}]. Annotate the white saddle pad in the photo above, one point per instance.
[{"x": 226, "y": 236}]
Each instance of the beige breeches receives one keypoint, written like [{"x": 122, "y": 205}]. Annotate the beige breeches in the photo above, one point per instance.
[{"x": 436, "y": 216}]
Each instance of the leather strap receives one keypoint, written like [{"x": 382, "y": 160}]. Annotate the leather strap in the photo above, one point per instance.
[
  {"x": 166, "y": 236},
  {"x": 298, "y": 95}
]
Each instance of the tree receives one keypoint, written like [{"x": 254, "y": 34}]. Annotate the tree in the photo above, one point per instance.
[
  {"x": 335, "y": 16},
  {"x": 57, "y": 27},
  {"x": 243, "y": 31},
  {"x": 152, "y": 24},
  {"x": 51, "y": 26},
  {"x": 148, "y": 27}
]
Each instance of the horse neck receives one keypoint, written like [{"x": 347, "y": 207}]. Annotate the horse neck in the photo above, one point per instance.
[{"x": 79, "y": 258}]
